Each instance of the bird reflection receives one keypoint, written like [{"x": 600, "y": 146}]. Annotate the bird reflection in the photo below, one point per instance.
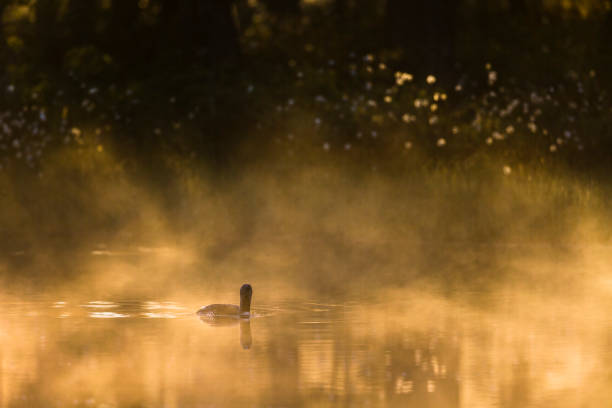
[
  {"x": 245, "y": 334},
  {"x": 246, "y": 340}
]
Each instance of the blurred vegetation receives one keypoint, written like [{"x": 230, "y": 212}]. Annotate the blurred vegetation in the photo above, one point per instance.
[
  {"x": 217, "y": 80},
  {"x": 93, "y": 91}
]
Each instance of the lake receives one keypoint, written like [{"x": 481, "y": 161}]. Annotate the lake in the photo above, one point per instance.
[{"x": 516, "y": 343}]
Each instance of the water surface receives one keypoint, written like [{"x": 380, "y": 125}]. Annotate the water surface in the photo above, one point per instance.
[{"x": 403, "y": 347}]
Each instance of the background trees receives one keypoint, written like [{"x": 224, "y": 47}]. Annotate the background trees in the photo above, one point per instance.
[
  {"x": 200, "y": 75},
  {"x": 431, "y": 35}
]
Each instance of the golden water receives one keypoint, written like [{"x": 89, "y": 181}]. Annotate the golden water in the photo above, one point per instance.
[{"x": 510, "y": 346}]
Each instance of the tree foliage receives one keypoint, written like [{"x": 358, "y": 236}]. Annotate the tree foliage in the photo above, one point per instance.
[{"x": 141, "y": 70}]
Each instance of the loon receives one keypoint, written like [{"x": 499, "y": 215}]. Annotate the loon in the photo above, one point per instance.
[{"x": 223, "y": 310}]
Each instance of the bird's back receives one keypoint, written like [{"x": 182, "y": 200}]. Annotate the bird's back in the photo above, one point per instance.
[{"x": 220, "y": 310}]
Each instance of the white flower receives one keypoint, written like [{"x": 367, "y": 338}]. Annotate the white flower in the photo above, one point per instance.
[
  {"x": 407, "y": 118},
  {"x": 492, "y": 77},
  {"x": 532, "y": 127},
  {"x": 401, "y": 77}
]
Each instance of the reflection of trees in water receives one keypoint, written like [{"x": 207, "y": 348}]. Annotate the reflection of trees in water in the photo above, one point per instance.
[
  {"x": 517, "y": 393},
  {"x": 279, "y": 356},
  {"x": 421, "y": 370},
  {"x": 341, "y": 365}
]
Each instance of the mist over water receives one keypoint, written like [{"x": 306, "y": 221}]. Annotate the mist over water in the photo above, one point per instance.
[
  {"x": 519, "y": 344},
  {"x": 369, "y": 290},
  {"x": 323, "y": 227},
  {"x": 417, "y": 192}
]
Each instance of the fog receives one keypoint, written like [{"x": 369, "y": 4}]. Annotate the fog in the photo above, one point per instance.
[
  {"x": 446, "y": 287},
  {"x": 87, "y": 224}
]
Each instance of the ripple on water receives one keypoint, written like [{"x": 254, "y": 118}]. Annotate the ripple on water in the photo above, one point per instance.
[
  {"x": 100, "y": 304},
  {"x": 108, "y": 315},
  {"x": 151, "y": 315},
  {"x": 150, "y": 305}
]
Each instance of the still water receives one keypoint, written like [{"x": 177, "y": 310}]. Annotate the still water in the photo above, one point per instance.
[{"x": 513, "y": 346}]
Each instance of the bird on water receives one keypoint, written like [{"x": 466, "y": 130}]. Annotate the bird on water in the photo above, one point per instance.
[{"x": 224, "y": 310}]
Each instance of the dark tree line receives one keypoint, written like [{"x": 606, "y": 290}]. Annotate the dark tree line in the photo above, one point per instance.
[
  {"x": 230, "y": 62},
  {"x": 183, "y": 31}
]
